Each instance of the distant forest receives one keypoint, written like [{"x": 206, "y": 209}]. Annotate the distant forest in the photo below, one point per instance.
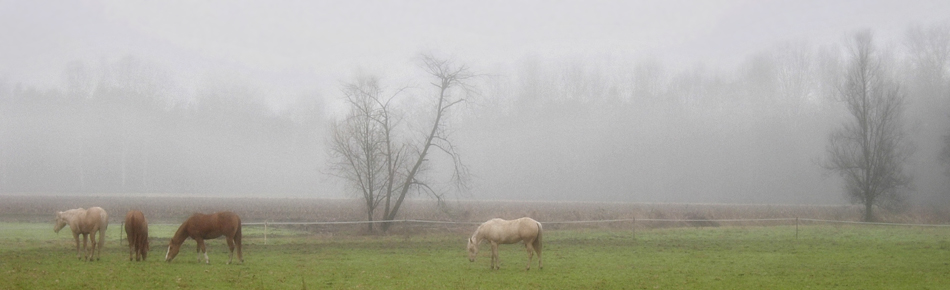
[{"x": 123, "y": 128}]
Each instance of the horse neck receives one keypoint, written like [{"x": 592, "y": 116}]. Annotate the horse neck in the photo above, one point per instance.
[
  {"x": 73, "y": 217},
  {"x": 479, "y": 234},
  {"x": 180, "y": 235},
  {"x": 73, "y": 214}
]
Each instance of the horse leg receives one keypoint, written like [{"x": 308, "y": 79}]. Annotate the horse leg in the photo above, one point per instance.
[
  {"x": 140, "y": 247},
  {"x": 230, "y": 249},
  {"x": 78, "y": 253},
  {"x": 97, "y": 245},
  {"x": 198, "y": 250},
  {"x": 92, "y": 246},
  {"x": 237, "y": 241},
  {"x": 495, "y": 260},
  {"x": 132, "y": 248},
  {"x": 537, "y": 248},
  {"x": 102, "y": 242},
  {"x": 85, "y": 238},
  {"x": 530, "y": 248},
  {"x": 202, "y": 249}
]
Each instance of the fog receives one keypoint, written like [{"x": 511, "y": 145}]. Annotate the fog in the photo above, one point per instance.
[{"x": 672, "y": 101}]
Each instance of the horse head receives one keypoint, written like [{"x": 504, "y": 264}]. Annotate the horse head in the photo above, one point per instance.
[
  {"x": 472, "y": 249},
  {"x": 60, "y": 222},
  {"x": 172, "y": 251}
]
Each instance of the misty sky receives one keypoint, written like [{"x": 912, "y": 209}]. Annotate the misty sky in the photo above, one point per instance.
[
  {"x": 314, "y": 44},
  {"x": 287, "y": 50}
]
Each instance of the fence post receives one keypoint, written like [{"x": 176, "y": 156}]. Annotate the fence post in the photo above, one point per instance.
[
  {"x": 634, "y": 228},
  {"x": 265, "y": 232},
  {"x": 796, "y": 228}
]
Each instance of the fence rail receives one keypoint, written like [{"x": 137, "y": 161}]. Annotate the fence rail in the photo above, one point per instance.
[
  {"x": 597, "y": 221},
  {"x": 797, "y": 222},
  {"x": 586, "y": 222}
]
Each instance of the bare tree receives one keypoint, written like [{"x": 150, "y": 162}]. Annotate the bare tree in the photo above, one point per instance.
[
  {"x": 361, "y": 145},
  {"x": 929, "y": 55},
  {"x": 366, "y": 151},
  {"x": 451, "y": 83},
  {"x": 870, "y": 149}
]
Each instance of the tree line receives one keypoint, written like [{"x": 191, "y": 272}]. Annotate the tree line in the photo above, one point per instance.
[
  {"x": 590, "y": 127},
  {"x": 127, "y": 127}
]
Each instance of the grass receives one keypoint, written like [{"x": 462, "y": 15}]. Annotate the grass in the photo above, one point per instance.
[{"x": 822, "y": 257}]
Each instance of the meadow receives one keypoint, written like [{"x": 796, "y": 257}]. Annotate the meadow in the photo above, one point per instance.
[
  {"x": 750, "y": 257},
  {"x": 616, "y": 255}
]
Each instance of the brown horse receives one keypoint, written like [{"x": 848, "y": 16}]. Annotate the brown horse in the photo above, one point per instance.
[
  {"x": 499, "y": 231},
  {"x": 85, "y": 222},
  {"x": 208, "y": 226},
  {"x": 136, "y": 230}
]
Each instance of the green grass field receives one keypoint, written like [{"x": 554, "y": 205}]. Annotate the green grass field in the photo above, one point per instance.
[{"x": 822, "y": 257}]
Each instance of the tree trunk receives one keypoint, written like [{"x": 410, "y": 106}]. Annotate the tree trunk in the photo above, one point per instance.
[
  {"x": 422, "y": 157},
  {"x": 369, "y": 225}
]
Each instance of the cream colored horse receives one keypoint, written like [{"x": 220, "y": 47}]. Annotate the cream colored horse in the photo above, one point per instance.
[
  {"x": 499, "y": 231},
  {"x": 85, "y": 222}
]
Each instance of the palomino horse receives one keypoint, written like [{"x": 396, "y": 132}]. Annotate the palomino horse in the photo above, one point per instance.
[
  {"x": 136, "y": 230},
  {"x": 85, "y": 222},
  {"x": 499, "y": 231},
  {"x": 208, "y": 226}
]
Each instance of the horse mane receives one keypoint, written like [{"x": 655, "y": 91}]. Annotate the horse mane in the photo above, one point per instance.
[
  {"x": 72, "y": 213},
  {"x": 64, "y": 218},
  {"x": 182, "y": 233}
]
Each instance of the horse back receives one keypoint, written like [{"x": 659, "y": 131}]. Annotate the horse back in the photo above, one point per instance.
[
  {"x": 511, "y": 231},
  {"x": 210, "y": 226},
  {"x": 528, "y": 227},
  {"x": 94, "y": 219},
  {"x": 135, "y": 223}
]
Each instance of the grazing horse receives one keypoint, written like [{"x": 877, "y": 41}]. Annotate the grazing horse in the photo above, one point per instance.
[
  {"x": 136, "y": 230},
  {"x": 208, "y": 226},
  {"x": 499, "y": 231},
  {"x": 85, "y": 222}
]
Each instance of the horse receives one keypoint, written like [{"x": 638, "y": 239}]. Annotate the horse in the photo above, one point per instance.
[
  {"x": 85, "y": 222},
  {"x": 136, "y": 231},
  {"x": 208, "y": 226},
  {"x": 499, "y": 231}
]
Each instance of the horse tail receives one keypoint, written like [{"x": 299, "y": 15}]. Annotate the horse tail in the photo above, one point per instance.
[
  {"x": 539, "y": 236},
  {"x": 237, "y": 234},
  {"x": 537, "y": 242},
  {"x": 103, "y": 225}
]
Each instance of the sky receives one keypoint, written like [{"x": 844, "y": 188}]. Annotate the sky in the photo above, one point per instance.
[
  {"x": 311, "y": 45},
  {"x": 289, "y": 47}
]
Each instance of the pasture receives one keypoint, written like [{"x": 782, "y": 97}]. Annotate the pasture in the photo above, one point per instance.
[{"x": 725, "y": 257}]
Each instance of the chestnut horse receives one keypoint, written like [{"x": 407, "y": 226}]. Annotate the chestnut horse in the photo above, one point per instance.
[
  {"x": 136, "y": 230},
  {"x": 208, "y": 226},
  {"x": 499, "y": 231},
  {"x": 85, "y": 222}
]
